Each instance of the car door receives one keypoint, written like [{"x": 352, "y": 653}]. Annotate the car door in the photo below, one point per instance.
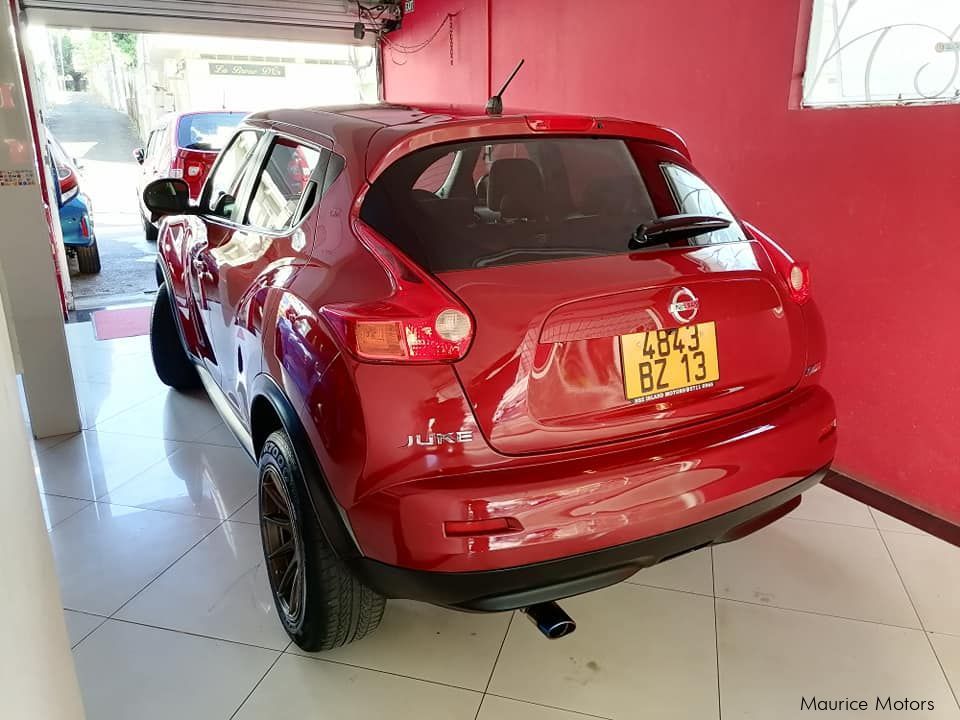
[
  {"x": 221, "y": 204},
  {"x": 273, "y": 242}
]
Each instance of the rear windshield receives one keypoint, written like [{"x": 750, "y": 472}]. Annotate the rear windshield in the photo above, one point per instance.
[
  {"x": 207, "y": 131},
  {"x": 482, "y": 204}
]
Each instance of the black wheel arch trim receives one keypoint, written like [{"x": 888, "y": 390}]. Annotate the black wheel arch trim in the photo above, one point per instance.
[{"x": 329, "y": 513}]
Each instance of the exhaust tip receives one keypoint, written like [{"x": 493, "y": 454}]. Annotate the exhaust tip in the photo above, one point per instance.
[{"x": 550, "y": 619}]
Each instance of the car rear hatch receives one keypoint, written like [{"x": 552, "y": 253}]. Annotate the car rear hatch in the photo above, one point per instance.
[
  {"x": 577, "y": 340},
  {"x": 546, "y": 369}
]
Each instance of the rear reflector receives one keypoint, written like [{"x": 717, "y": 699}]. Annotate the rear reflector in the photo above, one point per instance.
[
  {"x": 84, "y": 227},
  {"x": 487, "y": 526},
  {"x": 799, "y": 281},
  {"x": 795, "y": 274}
]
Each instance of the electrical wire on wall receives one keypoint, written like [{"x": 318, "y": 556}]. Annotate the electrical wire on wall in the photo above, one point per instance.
[{"x": 396, "y": 49}]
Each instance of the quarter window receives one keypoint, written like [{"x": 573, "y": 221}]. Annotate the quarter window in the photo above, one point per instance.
[
  {"x": 224, "y": 183},
  {"x": 286, "y": 188},
  {"x": 695, "y": 197}
]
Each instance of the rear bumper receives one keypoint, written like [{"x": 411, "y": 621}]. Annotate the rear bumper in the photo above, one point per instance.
[
  {"x": 516, "y": 587},
  {"x": 608, "y": 498}
]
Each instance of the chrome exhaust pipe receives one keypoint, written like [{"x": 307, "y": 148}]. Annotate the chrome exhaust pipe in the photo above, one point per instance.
[{"x": 550, "y": 620}]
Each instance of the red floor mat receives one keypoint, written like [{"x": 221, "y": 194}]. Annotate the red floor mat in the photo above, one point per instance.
[{"x": 122, "y": 322}]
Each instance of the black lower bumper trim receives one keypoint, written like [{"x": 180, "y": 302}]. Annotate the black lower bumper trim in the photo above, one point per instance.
[{"x": 517, "y": 587}]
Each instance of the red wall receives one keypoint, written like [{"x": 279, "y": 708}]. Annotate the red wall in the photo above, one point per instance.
[{"x": 869, "y": 196}]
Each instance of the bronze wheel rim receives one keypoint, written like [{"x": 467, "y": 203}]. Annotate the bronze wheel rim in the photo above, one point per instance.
[{"x": 282, "y": 546}]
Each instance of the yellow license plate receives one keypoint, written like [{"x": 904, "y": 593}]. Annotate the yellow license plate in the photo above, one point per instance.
[{"x": 663, "y": 363}]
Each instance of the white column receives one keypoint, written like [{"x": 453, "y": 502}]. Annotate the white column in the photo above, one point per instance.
[
  {"x": 37, "y": 678},
  {"x": 27, "y": 273}
]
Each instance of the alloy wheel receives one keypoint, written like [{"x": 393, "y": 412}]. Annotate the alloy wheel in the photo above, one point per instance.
[{"x": 282, "y": 546}]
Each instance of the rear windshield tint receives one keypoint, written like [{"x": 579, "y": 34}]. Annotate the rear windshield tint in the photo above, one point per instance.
[
  {"x": 481, "y": 204},
  {"x": 207, "y": 131}
]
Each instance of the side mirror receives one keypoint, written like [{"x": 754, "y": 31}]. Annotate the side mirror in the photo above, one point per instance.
[
  {"x": 138, "y": 155},
  {"x": 167, "y": 196}
]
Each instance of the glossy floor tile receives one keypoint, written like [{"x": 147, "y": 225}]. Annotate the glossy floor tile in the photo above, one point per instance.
[
  {"x": 91, "y": 464},
  {"x": 171, "y": 415},
  {"x": 299, "y": 687},
  {"x": 832, "y": 569},
  {"x": 692, "y": 572},
  {"x": 130, "y": 671},
  {"x": 498, "y": 708},
  {"x": 218, "y": 589},
  {"x": 637, "y": 652},
  {"x": 771, "y": 659},
  {"x": 249, "y": 513},
  {"x": 827, "y": 505},
  {"x": 153, "y": 520},
  {"x": 430, "y": 643},
  {"x": 205, "y": 480},
  {"x": 947, "y": 648},
  {"x": 930, "y": 569},
  {"x": 79, "y": 625},
  {"x": 56, "y": 509},
  {"x": 107, "y": 553}
]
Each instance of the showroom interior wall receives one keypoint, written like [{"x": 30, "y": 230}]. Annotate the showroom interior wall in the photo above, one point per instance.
[{"x": 867, "y": 195}]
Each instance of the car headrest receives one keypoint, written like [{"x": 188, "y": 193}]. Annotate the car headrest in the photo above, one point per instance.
[{"x": 518, "y": 177}]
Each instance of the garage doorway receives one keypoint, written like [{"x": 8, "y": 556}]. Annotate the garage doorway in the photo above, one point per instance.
[{"x": 122, "y": 108}]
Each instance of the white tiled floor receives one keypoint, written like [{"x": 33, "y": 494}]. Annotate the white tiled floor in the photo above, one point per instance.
[{"x": 152, "y": 520}]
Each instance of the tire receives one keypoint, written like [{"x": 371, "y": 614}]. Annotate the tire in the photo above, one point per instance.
[
  {"x": 150, "y": 232},
  {"x": 174, "y": 367},
  {"x": 323, "y": 606},
  {"x": 88, "y": 259}
]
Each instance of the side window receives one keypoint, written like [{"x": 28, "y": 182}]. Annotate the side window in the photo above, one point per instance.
[
  {"x": 149, "y": 147},
  {"x": 220, "y": 195},
  {"x": 695, "y": 197},
  {"x": 286, "y": 180}
]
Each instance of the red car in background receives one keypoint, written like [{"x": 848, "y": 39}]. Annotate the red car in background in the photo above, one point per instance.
[
  {"x": 183, "y": 145},
  {"x": 486, "y": 362}
]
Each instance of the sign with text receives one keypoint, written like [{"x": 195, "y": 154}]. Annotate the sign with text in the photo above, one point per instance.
[{"x": 247, "y": 69}]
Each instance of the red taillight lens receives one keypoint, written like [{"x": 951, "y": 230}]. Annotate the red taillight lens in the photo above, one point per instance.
[{"x": 421, "y": 321}]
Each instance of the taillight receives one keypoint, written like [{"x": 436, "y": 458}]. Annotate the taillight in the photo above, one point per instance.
[
  {"x": 84, "y": 227},
  {"x": 421, "y": 321},
  {"x": 795, "y": 274}
]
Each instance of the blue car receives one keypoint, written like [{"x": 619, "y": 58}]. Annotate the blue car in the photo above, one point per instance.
[{"x": 76, "y": 211}]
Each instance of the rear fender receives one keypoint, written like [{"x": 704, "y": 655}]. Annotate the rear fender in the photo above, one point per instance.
[{"x": 329, "y": 514}]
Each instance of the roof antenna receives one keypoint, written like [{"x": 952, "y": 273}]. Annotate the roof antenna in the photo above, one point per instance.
[{"x": 495, "y": 104}]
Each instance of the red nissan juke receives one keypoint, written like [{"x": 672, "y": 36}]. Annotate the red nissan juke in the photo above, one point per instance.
[{"x": 485, "y": 361}]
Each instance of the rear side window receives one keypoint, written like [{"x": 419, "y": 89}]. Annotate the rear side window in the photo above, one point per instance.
[
  {"x": 207, "y": 131},
  {"x": 511, "y": 201},
  {"x": 286, "y": 187},
  {"x": 223, "y": 185},
  {"x": 694, "y": 197}
]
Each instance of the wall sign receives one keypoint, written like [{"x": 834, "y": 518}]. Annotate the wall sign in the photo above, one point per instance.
[{"x": 247, "y": 69}]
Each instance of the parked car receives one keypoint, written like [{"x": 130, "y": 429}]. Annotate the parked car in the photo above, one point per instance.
[
  {"x": 486, "y": 362},
  {"x": 75, "y": 208},
  {"x": 183, "y": 145}
]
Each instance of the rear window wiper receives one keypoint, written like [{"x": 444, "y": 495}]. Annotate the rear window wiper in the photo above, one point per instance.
[{"x": 675, "y": 227}]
